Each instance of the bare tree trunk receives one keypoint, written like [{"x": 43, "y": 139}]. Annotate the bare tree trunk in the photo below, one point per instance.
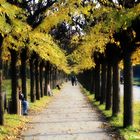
[
  {"x": 128, "y": 99},
  {"x": 1, "y": 99},
  {"x": 108, "y": 87},
  {"x": 116, "y": 90},
  {"x": 32, "y": 79},
  {"x": 97, "y": 82},
  {"x": 93, "y": 81},
  {"x": 103, "y": 84},
  {"x": 23, "y": 71},
  {"x": 50, "y": 76},
  {"x": 14, "y": 81},
  {"x": 41, "y": 78},
  {"x": 6, "y": 69},
  {"x": 46, "y": 78},
  {"x": 37, "y": 78}
]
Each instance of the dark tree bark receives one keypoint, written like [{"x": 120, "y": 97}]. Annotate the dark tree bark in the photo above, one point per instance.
[
  {"x": 116, "y": 90},
  {"x": 6, "y": 69},
  {"x": 37, "y": 77},
  {"x": 128, "y": 99},
  {"x": 103, "y": 83},
  {"x": 1, "y": 99},
  {"x": 128, "y": 47},
  {"x": 41, "y": 78},
  {"x": 93, "y": 83},
  {"x": 53, "y": 77},
  {"x": 50, "y": 76},
  {"x": 32, "y": 79},
  {"x": 14, "y": 81},
  {"x": 46, "y": 78},
  {"x": 108, "y": 87},
  {"x": 97, "y": 81},
  {"x": 23, "y": 71}
]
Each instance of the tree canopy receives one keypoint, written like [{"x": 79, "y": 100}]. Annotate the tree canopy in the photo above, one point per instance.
[{"x": 90, "y": 26}]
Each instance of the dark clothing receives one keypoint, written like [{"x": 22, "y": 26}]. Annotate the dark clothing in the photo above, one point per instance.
[
  {"x": 58, "y": 86},
  {"x": 74, "y": 80},
  {"x": 25, "y": 106},
  {"x": 21, "y": 96}
]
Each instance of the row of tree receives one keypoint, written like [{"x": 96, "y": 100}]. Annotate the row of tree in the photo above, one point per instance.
[
  {"x": 22, "y": 47},
  {"x": 120, "y": 42}
]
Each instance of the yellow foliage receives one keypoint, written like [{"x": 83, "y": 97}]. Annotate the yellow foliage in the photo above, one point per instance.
[{"x": 48, "y": 50}]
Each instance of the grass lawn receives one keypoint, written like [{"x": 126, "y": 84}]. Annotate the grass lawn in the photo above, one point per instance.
[
  {"x": 130, "y": 133},
  {"x": 136, "y": 81}
]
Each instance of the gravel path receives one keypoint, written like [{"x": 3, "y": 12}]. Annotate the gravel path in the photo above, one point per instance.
[{"x": 68, "y": 117}]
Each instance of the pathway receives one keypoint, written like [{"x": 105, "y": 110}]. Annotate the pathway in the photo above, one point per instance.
[{"x": 68, "y": 117}]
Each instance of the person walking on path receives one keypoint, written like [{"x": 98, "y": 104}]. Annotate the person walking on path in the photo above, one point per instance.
[
  {"x": 68, "y": 117},
  {"x": 73, "y": 80}
]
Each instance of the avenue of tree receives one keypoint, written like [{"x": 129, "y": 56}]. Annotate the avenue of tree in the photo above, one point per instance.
[{"x": 93, "y": 39}]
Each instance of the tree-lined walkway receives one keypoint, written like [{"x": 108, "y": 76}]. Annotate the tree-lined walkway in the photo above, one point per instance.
[{"x": 68, "y": 117}]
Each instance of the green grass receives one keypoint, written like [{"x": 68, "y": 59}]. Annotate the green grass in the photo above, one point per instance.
[
  {"x": 13, "y": 124},
  {"x": 136, "y": 81},
  {"x": 6, "y": 87},
  {"x": 130, "y": 133}
]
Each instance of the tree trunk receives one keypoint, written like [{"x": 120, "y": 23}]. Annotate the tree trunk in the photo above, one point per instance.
[
  {"x": 14, "y": 81},
  {"x": 53, "y": 77},
  {"x": 97, "y": 82},
  {"x": 32, "y": 79},
  {"x": 128, "y": 106},
  {"x": 93, "y": 81},
  {"x": 108, "y": 87},
  {"x": 41, "y": 79},
  {"x": 103, "y": 84},
  {"x": 46, "y": 78},
  {"x": 50, "y": 76},
  {"x": 116, "y": 90},
  {"x": 1, "y": 99},
  {"x": 6, "y": 69},
  {"x": 37, "y": 78},
  {"x": 23, "y": 72}
]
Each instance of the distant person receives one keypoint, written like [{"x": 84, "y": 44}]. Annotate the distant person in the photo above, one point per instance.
[
  {"x": 73, "y": 80},
  {"x": 49, "y": 90},
  {"x": 76, "y": 80},
  {"x": 25, "y": 106}
]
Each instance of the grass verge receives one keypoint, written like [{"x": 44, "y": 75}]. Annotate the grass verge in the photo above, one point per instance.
[
  {"x": 14, "y": 124},
  {"x": 130, "y": 133}
]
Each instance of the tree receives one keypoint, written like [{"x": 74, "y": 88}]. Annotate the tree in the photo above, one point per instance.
[
  {"x": 14, "y": 81},
  {"x": 23, "y": 71},
  {"x": 103, "y": 81},
  {"x": 41, "y": 78},
  {"x": 32, "y": 78},
  {"x": 37, "y": 77},
  {"x": 1, "y": 95}
]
